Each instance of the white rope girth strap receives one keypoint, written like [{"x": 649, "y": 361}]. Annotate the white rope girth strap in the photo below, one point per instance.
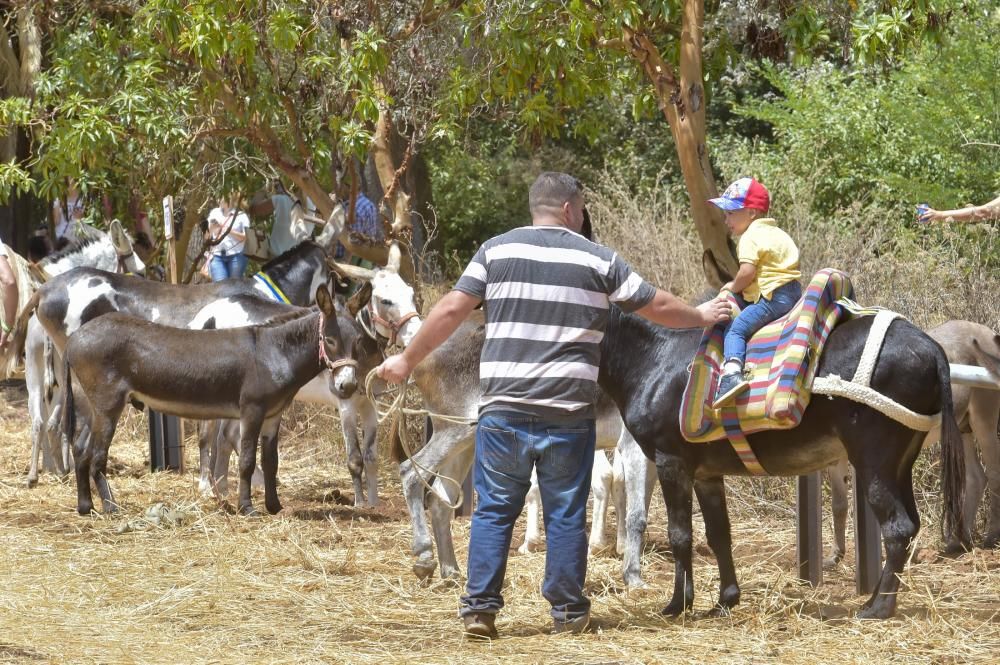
[{"x": 859, "y": 389}]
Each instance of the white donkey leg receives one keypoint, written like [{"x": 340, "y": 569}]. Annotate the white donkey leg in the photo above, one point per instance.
[
  {"x": 637, "y": 474},
  {"x": 839, "y": 473},
  {"x": 355, "y": 462},
  {"x": 600, "y": 487},
  {"x": 207, "y": 434},
  {"x": 369, "y": 432},
  {"x": 532, "y": 506},
  {"x": 34, "y": 378},
  {"x": 448, "y": 439},
  {"x": 455, "y": 469}
]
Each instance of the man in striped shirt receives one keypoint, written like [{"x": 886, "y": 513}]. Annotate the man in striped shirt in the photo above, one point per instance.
[{"x": 547, "y": 292}]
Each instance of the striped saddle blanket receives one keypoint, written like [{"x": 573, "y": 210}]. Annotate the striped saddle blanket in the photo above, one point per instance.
[{"x": 780, "y": 365}]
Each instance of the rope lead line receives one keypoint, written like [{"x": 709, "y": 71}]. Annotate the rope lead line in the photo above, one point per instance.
[{"x": 397, "y": 409}]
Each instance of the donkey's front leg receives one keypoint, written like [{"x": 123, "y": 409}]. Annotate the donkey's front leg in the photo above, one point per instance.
[
  {"x": 712, "y": 499},
  {"x": 269, "y": 462},
  {"x": 355, "y": 461},
  {"x": 675, "y": 483},
  {"x": 251, "y": 420},
  {"x": 369, "y": 432}
]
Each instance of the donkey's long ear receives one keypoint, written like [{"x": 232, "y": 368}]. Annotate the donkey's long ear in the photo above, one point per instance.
[
  {"x": 325, "y": 301},
  {"x": 118, "y": 237},
  {"x": 716, "y": 274},
  {"x": 360, "y": 298}
]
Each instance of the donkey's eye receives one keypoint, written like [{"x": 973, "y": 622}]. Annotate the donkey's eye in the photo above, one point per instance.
[
  {"x": 386, "y": 302},
  {"x": 330, "y": 341}
]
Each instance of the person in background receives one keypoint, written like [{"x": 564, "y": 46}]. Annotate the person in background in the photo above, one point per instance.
[
  {"x": 986, "y": 211},
  {"x": 67, "y": 213},
  {"x": 8, "y": 293},
  {"x": 366, "y": 228},
  {"x": 227, "y": 227},
  {"x": 547, "y": 292}
]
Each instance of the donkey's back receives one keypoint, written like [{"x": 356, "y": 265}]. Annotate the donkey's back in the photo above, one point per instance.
[{"x": 190, "y": 373}]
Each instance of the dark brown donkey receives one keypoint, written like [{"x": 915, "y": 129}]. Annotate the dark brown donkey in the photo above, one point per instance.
[{"x": 250, "y": 374}]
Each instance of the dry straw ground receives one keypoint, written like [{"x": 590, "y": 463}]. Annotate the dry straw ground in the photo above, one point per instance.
[{"x": 325, "y": 583}]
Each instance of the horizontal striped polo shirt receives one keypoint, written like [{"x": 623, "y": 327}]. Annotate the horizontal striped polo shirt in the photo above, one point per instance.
[{"x": 546, "y": 293}]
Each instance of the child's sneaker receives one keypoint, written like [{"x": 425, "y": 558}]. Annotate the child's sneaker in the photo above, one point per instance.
[{"x": 730, "y": 385}]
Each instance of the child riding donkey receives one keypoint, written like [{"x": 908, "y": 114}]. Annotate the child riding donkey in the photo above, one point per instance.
[{"x": 767, "y": 284}]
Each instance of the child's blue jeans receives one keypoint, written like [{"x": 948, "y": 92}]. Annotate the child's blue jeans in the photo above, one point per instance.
[{"x": 757, "y": 315}]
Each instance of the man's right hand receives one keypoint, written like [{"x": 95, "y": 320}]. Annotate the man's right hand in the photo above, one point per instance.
[
  {"x": 717, "y": 310},
  {"x": 394, "y": 369}
]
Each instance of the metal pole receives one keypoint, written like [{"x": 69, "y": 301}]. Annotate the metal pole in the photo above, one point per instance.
[{"x": 809, "y": 530}]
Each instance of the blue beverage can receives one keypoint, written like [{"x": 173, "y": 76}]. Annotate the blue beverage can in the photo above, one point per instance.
[{"x": 921, "y": 209}]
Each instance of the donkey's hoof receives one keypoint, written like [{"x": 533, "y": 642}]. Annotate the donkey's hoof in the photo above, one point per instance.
[
  {"x": 424, "y": 569},
  {"x": 84, "y": 509},
  {"x": 110, "y": 508},
  {"x": 32, "y": 482},
  {"x": 273, "y": 507},
  {"x": 991, "y": 541},
  {"x": 675, "y": 609},
  {"x": 247, "y": 510},
  {"x": 875, "y": 612}
]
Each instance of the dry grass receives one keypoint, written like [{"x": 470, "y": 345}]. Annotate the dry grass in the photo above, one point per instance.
[{"x": 323, "y": 582}]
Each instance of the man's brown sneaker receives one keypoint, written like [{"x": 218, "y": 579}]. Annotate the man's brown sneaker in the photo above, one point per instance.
[
  {"x": 480, "y": 625},
  {"x": 578, "y": 625}
]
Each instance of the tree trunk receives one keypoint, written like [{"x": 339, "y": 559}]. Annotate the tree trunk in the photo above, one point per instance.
[
  {"x": 389, "y": 165},
  {"x": 682, "y": 102}
]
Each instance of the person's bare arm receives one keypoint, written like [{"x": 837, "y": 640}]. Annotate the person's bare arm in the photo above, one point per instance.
[
  {"x": 670, "y": 311},
  {"x": 744, "y": 277},
  {"x": 443, "y": 320},
  {"x": 989, "y": 210},
  {"x": 8, "y": 285}
]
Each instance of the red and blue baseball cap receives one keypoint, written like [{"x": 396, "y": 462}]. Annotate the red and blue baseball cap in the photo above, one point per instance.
[{"x": 744, "y": 193}]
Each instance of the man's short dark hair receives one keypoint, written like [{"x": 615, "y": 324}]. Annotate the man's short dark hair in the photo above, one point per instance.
[{"x": 552, "y": 189}]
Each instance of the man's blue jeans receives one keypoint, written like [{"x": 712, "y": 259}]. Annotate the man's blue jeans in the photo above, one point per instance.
[
  {"x": 757, "y": 315},
  {"x": 231, "y": 266},
  {"x": 508, "y": 445}
]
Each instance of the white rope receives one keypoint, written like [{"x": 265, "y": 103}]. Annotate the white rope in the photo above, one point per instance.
[
  {"x": 873, "y": 346},
  {"x": 858, "y": 389},
  {"x": 395, "y": 409},
  {"x": 834, "y": 386}
]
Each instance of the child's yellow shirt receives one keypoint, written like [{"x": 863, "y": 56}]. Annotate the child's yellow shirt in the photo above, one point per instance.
[{"x": 773, "y": 253}]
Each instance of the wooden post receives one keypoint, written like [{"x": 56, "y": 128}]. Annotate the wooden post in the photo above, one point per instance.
[
  {"x": 809, "y": 530},
  {"x": 867, "y": 543},
  {"x": 166, "y": 433}
]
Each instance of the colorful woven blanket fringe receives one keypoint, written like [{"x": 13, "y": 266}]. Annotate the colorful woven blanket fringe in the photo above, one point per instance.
[{"x": 780, "y": 365}]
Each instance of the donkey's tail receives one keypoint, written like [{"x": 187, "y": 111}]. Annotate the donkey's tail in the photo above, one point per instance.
[
  {"x": 952, "y": 459},
  {"x": 69, "y": 407},
  {"x": 397, "y": 451},
  {"x": 15, "y": 349}
]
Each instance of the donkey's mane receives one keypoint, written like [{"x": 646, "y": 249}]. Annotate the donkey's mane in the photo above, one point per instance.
[
  {"x": 73, "y": 248},
  {"x": 281, "y": 319},
  {"x": 301, "y": 248}
]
